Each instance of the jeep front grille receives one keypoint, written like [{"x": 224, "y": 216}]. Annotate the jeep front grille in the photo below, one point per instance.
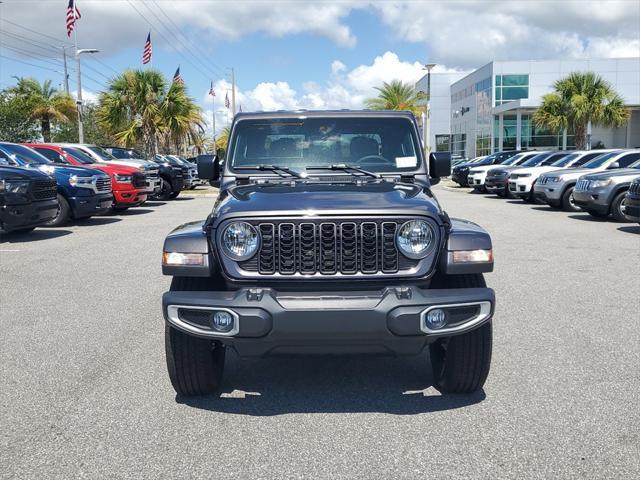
[
  {"x": 582, "y": 185},
  {"x": 328, "y": 247},
  {"x": 634, "y": 188}
]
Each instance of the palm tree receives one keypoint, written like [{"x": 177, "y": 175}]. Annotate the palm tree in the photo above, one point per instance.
[
  {"x": 396, "y": 96},
  {"x": 580, "y": 100},
  {"x": 140, "y": 107},
  {"x": 47, "y": 103}
]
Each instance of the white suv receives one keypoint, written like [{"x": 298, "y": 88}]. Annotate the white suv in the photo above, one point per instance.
[{"x": 521, "y": 181}]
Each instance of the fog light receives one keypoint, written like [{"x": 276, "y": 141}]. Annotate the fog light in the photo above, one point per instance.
[
  {"x": 436, "y": 319},
  {"x": 222, "y": 321}
]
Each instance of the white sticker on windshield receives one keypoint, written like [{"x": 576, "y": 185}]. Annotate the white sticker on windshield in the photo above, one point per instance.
[{"x": 406, "y": 162}]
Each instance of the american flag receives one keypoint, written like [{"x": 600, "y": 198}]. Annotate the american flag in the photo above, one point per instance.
[
  {"x": 212, "y": 92},
  {"x": 177, "y": 78},
  {"x": 226, "y": 100},
  {"x": 147, "y": 51},
  {"x": 73, "y": 14}
]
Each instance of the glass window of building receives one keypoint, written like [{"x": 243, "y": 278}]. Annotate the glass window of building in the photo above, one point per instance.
[{"x": 511, "y": 87}]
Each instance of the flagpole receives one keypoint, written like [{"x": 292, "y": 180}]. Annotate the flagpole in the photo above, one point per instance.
[
  {"x": 213, "y": 122},
  {"x": 79, "y": 81}
]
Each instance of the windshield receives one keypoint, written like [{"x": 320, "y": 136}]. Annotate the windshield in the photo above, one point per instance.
[
  {"x": 23, "y": 155},
  {"x": 375, "y": 144},
  {"x": 79, "y": 155},
  {"x": 635, "y": 164},
  {"x": 600, "y": 160},
  {"x": 535, "y": 160},
  {"x": 179, "y": 160},
  {"x": 102, "y": 153},
  {"x": 564, "y": 161},
  {"x": 512, "y": 160}
]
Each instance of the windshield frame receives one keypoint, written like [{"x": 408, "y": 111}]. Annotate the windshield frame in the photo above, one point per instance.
[
  {"x": 420, "y": 169},
  {"x": 38, "y": 160}
]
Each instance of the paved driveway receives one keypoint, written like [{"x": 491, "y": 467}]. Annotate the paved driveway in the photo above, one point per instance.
[{"x": 85, "y": 391}]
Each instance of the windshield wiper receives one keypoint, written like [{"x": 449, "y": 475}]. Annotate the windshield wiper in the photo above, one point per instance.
[
  {"x": 277, "y": 169},
  {"x": 346, "y": 168}
]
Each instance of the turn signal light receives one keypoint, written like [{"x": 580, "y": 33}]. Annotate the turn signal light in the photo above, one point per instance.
[
  {"x": 470, "y": 256},
  {"x": 177, "y": 259}
]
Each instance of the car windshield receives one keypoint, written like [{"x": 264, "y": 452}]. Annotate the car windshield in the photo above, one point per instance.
[
  {"x": 564, "y": 161},
  {"x": 512, "y": 160},
  {"x": 600, "y": 160},
  {"x": 372, "y": 143},
  {"x": 635, "y": 164},
  {"x": 179, "y": 160},
  {"x": 535, "y": 160},
  {"x": 23, "y": 155},
  {"x": 79, "y": 155},
  {"x": 102, "y": 153}
]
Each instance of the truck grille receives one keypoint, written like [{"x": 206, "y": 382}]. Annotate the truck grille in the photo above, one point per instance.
[
  {"x": 543, "y": 180},
  {"x": 139, "y": 180},
  {"x": 103, "y": 185},
  {"x": 44, "y": 189},
  {"x": 328, "y": 247},
  {"x": 582, "y": 185},
  {"x": 634, "y": 188}
]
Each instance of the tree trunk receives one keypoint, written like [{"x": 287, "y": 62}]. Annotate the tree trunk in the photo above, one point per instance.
[
  {"x": 580, "y": 132},
  {"x": 45, "y": 125}
]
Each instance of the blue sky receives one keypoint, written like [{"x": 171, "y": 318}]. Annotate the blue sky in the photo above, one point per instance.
[{"x": 297, "y": 54}]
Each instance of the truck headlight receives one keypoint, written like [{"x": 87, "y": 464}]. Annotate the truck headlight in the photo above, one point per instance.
[
  {"x": 123, "y": 178},
  {"x": 240, "y": 241},
  {"x": 48, "y": 169},
  {"x": 82, "y": 182},
  {"x": 14, "y": 186},
  {"x": 554, "y": 179},
  {"x": 415, "y": 238}
]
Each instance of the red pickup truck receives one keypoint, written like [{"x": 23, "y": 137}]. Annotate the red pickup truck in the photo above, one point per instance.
[{"x": 128, "y": 183}]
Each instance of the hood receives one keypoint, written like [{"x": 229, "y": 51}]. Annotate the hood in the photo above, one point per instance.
[
  {"x": 19, "y": 173},
  {"x": 112, "y": 169},
  {"x": 495, "y": 170},
  {"x": 618, "y": 172},
  {"x": 65, "y": 169},
  {"x": 534, "y": 170},
  {"x": 318, "y": 199},
  {"x": 133, "y": 163},
  {"x": 481, "y": 168},
  {"x": 571, "y": 173}
]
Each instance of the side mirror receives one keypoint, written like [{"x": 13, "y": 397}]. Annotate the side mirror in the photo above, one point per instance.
[
  {"x": 613, "y": 166},
  {"x": 208, "y": 167},
  {"x": 439, "y": 164}
]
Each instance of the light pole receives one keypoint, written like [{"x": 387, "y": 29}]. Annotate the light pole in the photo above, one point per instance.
[
  {"x": 79, "y": 97},
  {"x": 427, "y": 123}
]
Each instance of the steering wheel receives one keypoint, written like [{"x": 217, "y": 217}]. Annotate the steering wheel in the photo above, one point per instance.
[{"x": 375, "y": 159}]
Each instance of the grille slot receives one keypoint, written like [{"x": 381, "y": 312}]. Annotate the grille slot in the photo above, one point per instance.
[
  {"x": 582, "y": 185},
  {"x": 103, "y": 185},
  {"x": 139, "y": 180},
  {"x": 44, "y": 189},
  {"x": 328, "y": 247},
  {"x": 635, "y": 187}
]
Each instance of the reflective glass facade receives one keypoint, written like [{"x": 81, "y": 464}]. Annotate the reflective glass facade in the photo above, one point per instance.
[
  {"x": 511, "y": 87},
  {"x": 532, "y": 137},
  {"x": 484, "y": 104}
]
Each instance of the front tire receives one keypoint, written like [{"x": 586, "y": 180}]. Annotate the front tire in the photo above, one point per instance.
[
  {"x": 165, "y": 190},
  {"x": 64, "y": 213},
  {"x": 567, "y": 201},
  {"x": 461, "y": 364},
  {"x": 616, "y": 208},
  {"x": 195, "y": 365}
]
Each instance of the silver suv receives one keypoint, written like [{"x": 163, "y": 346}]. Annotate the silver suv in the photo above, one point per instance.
[
  {"x": 556, "y": 187},
  {"x": 601, "y": 194}
]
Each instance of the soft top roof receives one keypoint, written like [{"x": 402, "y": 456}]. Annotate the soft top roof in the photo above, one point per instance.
[{"x": 323, "y": 114}]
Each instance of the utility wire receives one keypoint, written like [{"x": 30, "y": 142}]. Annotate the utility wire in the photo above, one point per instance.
[
  {"x": 31, "y": 64},
  {"x": 191, "y": 44},
  {"x": 61, "y": 42}
]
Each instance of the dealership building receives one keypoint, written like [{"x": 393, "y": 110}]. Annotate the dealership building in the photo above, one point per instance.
[{"x": 490, "y": 109}]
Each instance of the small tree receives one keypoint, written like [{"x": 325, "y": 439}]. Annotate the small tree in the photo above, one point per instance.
[
  {"x": 47, "y": 104},
  {"x": 581, "y": 99},
  {"x": 396, "y": 95}
]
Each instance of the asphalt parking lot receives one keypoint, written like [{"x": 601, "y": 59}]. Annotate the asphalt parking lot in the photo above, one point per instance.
[{"x": 85, "y": 391}]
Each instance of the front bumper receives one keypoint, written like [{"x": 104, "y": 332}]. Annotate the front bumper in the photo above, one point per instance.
[
  {"x": 90, "y": 205},
  {"x": 631, "y": 208},
  {"x": 476, "y": 180},
  {"x": 520, "y": 187},
  {"x": 270, "y": 322},
  {"x": 13, "y": 217},
  {"x": 594, "y": 201},
  {"x": 550, "y": 192},
  {"x": 129, "y": 198},
  {"x": 495, "y": 185}
]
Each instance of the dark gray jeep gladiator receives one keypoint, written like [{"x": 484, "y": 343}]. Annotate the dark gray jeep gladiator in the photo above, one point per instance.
[{"x": 326, "y": 238}]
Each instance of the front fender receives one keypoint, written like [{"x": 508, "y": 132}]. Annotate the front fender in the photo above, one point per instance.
[
  {"x": 465, "y": 236},
  {"x": 189, "y": 238}
]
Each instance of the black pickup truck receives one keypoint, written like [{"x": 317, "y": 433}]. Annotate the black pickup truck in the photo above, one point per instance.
[
  {"x": 28, "y": 198},
  {"x": 327, "y": 238}
]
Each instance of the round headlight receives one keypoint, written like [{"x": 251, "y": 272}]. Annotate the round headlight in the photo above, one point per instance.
[
  {"x": 415, "y": 239},
  {"x": 240, "y": 241}
]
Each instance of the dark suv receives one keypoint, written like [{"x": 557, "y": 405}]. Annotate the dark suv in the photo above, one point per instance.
[{"x": 327, "y": 238}]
